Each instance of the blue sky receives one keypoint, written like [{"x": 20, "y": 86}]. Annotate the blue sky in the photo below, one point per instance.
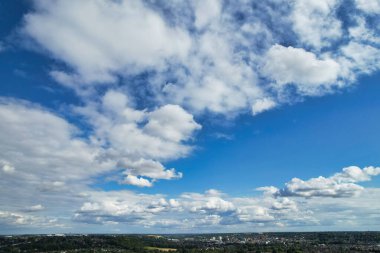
[{"x": 126, "y": 117}]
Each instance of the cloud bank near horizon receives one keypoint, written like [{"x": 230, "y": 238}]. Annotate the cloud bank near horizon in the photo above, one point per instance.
[{"x": 56, "y": 168}]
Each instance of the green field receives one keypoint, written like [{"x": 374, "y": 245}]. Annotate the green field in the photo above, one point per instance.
[{"x": 160, "y": 249}]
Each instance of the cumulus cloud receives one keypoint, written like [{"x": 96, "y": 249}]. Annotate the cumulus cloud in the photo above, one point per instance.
[
  {"x": 369, "y": 6},
  {"x": 135, "y": 133},
  {"x": 120, "y": 206},
  {"x": 198, "y": 210},
  {"x": 199, "y": 64},
  {"x": 43, "y": 160},
  {"x": 320, "y": 187},
  {"x": 362, "y": 57},
  {"x": 200, "y": 58},
  {"x": 210, "y": 202},
  {"x": 42, "y": 145},
  {"x": 139, "y": 140},
  {"x": 255, "y": 214},
  {"x": 213, "y": 209},
  {"x": 148, "y": 168},
  {"x": 355, "y": 174},
  {"x": 52, "y": 144},
  {"x": 206, "y": 12},
  {"x": 262, "y": 105},
  {"x": 123, "y": 48},
  {"x": 172, "y": 123},
  {"x": 201, "y": 55},
  {"x": 53, "y": 176},
  {"x": 288, "y": 65},
  {"x": 137, "y": 181},
  {"x": 340, "y": 185},
  {"x": 361, "y": 32},
  {"x": 23, "y": 220},
  {"x": 315, "y": 22},
  {"x": 55, "y": 162},
  {"x": 215, "y": 78}
]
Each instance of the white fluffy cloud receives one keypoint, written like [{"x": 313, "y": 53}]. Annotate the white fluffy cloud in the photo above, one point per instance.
[
  {"x": 192, "y": 58},
  {"x": 208, "y": 211},
  {"x": 215, "y": 78},
  {"x": 122, "y": 46},
  {"x": 137, "y": 181},
  {"x": 136, "y": 134},
  {"x": 37, "y": 144},
  {"x": 288, "y": 65},
  {"x": 200, "y": 54},
  {"x": 206, "y": 12},
  {"x": 171, "y": 123},
  {"x": 210, "y": 202},
  {"x": 340, "y": 185},
  {"x": 262, "y": 105},
  {"x": 120, "y": 206},
  {"x": 139, "y": 140},
  {"x": 148, "y": 168},
  {"x": 320, "y": 187},
  {"x": 45, "y": 161},
  {"x": 355, "y": 174},
  {"x": 315, "y": 22},
  {"x": 369, "y": 6},
  {"x": 214, "y": 209},
  {"x": 362, "y": 57},
  {"x": 56, "y": 163},
  {"x": 24, "y": 220},
  {"x": 361, "y": 32}
]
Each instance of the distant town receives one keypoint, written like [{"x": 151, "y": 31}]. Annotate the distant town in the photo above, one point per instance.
[{"x": 232, "y": 242}]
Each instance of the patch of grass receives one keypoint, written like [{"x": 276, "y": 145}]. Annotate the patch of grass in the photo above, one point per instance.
[{"x": 160, "y": 249}]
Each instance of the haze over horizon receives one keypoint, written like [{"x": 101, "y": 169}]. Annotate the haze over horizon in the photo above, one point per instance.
[{"x": 189, "y": 116}]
